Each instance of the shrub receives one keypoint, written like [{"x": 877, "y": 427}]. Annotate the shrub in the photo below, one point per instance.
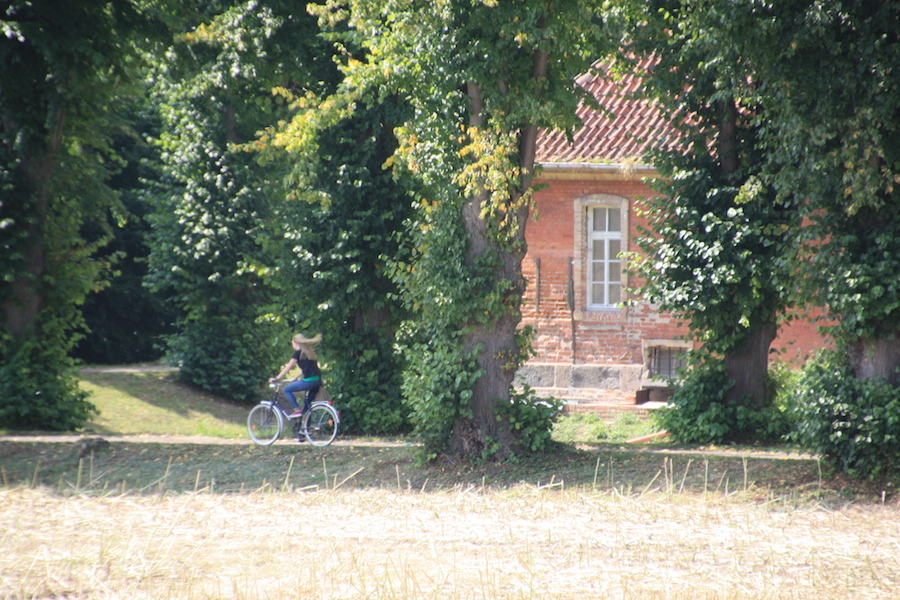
[
  {"x": 530, "y": 417},
  {"x": 854, "y": 424},
  {"x": 364, "y": 376},
  {"x": 699, "y": 413},
  {"x": 229, "y": 356},
  {"x": 38, "y": 387}
]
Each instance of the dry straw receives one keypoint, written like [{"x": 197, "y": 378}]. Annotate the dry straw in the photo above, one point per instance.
[{"x": 531, "y": 541}]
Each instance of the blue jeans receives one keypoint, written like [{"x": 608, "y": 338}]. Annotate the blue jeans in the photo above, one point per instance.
[{"x": 311, "y": 387}]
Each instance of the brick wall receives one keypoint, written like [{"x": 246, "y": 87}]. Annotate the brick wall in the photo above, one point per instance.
[{"x": 556, "y": 248}]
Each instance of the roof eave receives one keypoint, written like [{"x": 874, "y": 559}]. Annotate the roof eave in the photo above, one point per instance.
[{"x": 628, "y": 169}]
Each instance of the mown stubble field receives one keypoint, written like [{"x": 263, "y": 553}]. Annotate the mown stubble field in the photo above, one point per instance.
[{"x": 464, "y": 543}]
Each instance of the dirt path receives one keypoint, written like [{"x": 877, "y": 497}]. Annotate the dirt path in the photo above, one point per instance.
[
  {"x": 184, "y": 439},
  {"x": 140, "y": 368}
]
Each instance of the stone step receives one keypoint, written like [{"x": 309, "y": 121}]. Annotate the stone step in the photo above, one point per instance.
[
  {"x": 586, "y": 395},
  {"x": 607, "y": 404}
]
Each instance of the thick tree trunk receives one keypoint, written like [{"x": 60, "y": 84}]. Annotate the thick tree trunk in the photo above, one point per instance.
[
  {"x": 876, "y": 358},
  {"x": 747, "y": 365},
  {"x": 496, "y": 345},
  {"x": 495, "y": 341},
  {"x": 24, "y": 299}
]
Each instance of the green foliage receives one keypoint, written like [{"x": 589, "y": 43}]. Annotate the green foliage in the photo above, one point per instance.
[
  {"x": 330, "y": 254},
  {"x": 718, "y": 255},
  {"x": 437, "y": 385},
  {"x": 831, "y": 136},
  {"x": 532, "y": 418},
  {"x": 475, "y": 79},
  {"x": 699, "y": 413},
  {"x": 39, "y": 387},
  {"x": 226, "y": 355},
  {"x": 215, "y": 215},
  {"x": 364, "y": 376},
  {"x": 852, "y": 423}
]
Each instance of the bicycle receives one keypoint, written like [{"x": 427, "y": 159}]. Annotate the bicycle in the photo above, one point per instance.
[{"x": 319, "y": 425}]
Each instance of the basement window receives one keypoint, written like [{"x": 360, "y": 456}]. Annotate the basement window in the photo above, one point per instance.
[{"x": 666, "y": 362}]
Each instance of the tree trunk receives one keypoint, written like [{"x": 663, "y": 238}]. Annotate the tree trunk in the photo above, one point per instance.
[
  {"x": 496, "y": 346},
  {"x": 876, "y": 358},
  {"x": 498, "y": 352},
  {"x": 25, "y": 299},
  {"x": 747, "y": 365}
]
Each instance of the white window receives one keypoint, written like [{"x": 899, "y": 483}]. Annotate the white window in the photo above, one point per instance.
[{"x": 604, "y": 264}]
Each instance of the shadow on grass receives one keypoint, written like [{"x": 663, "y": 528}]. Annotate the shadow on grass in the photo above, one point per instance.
[{"x": 151, "y": 468}]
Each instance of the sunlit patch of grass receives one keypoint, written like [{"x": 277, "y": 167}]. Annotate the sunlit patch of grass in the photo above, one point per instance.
[
  {"x": 588, "y": 428},
  {"x": 153, "y": 403}
]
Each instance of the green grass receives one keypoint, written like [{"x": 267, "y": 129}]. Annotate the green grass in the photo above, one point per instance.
[
  {"x": 154, "y": 403},
  {"x": 587, "y": 428}
]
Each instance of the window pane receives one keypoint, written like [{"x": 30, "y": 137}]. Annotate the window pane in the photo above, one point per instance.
[
  {"x": 615, "y": 217},
  {"x": 600, "y": 219},
  {"x": 615, "y": 271},
  {"x": 597, "y": 294},
  {"x": 599, "y": 251},
  {"x": 597, "y": 273},
  {"x": 615, "y": 293},
  {"x": 615, "y": 247}
]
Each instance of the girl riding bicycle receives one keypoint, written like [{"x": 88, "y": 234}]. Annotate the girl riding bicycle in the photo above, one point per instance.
[{"x": 304, "y": 357}]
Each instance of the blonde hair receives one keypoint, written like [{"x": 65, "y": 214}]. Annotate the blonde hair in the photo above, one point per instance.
[{"x": 306, "y": 344}]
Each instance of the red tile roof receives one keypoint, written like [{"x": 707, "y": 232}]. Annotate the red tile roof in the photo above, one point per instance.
[{"x": 617, "y": 138}]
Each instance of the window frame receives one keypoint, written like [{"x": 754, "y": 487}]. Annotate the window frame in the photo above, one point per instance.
[{"x": 585, "y": 238}]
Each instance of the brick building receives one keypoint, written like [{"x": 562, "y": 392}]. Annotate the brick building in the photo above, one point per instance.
[{"x": 592, "y": 348}]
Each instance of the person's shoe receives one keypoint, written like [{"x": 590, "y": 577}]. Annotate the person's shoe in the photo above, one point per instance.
[{"x": 296, "y": 414}]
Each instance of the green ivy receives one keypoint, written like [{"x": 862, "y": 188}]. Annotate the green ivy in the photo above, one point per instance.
[{"x": 531, "y": 417}]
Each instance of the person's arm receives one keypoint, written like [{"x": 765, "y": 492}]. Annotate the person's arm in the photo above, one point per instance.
[{"x": 287, "y": 369}]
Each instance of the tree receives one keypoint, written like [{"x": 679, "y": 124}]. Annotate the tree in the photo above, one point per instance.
[
  {"x": 481, "y": 78},
  {"x": 832, "y": 138},
  {"x": 65, "y": 65},
  {"x": 215, "y": 215},
  {"x": 340, "y": 227},
  {"x": 722, "y": 250},
  {"x": 833, "y": 134}
]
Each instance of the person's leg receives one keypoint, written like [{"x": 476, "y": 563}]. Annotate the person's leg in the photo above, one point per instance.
[
  {"x": 291, "y": 389},
  {"x": 295, "y": 387},
  {"x": 311, "y": 394}
]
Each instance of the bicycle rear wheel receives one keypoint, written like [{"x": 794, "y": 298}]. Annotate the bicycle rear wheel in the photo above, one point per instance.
[
  {"x": 320, "y": 424},
  {"x": 264, "y": 424}
]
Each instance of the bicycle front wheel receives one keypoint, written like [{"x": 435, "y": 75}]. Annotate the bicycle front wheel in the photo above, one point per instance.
[
  {"x": 264, "y": 424},
  {"x": 320, "y": 425}
]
